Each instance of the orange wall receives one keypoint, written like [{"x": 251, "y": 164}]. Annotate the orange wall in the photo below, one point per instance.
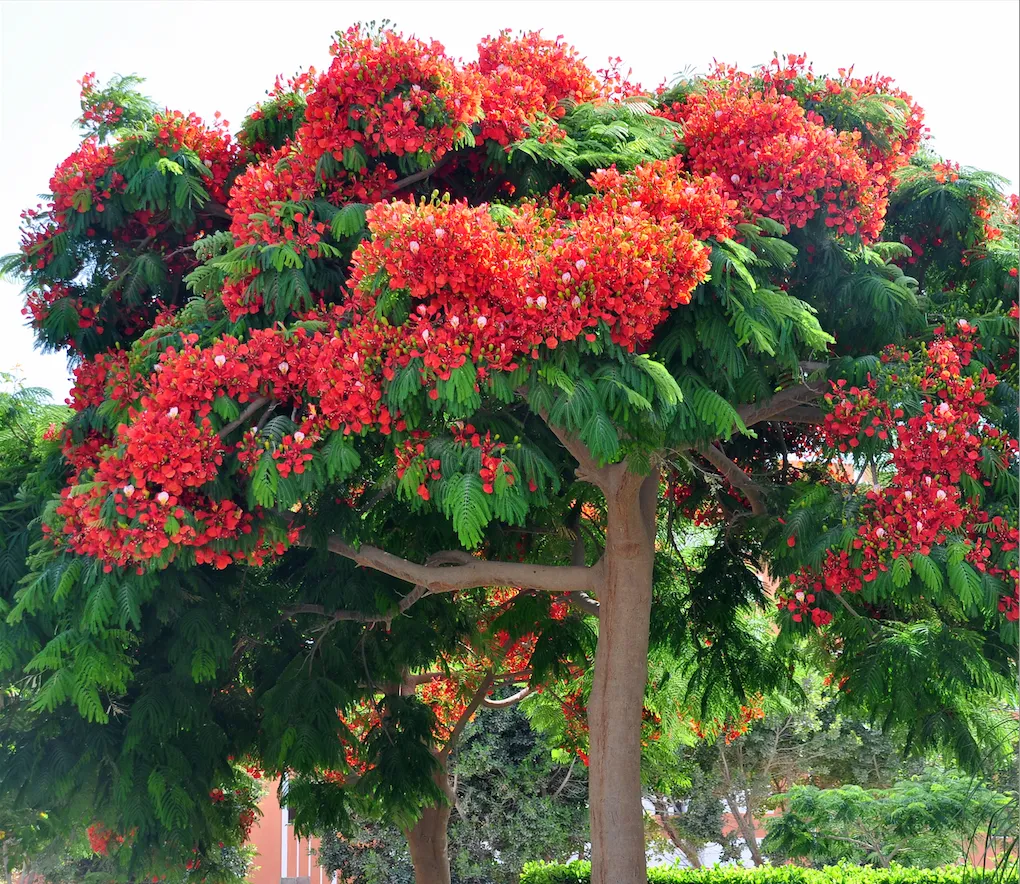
[{"x": 267, "y": 837}]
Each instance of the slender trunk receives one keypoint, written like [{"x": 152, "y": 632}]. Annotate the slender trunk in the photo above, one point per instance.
[
  {"x": 692, "y": 853},
  {"x": 689, "y": 850},
  {"x": 621, "y": 670},
  {"x": 745, "y": 824},
  {"x": 427, "y": 840}
]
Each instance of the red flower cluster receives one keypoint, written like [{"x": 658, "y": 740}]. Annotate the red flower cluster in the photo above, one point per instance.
[
  {"x": 554, "y": 64},
  {"x": 664, "y": 191},
  {"x": 256, "y": 197},
  {"x": 100, "y": 839},
  {"x": 778, "y": 160},
  {"x": 734, "y": 726},
  {"x": 924, "y": 503},
  {"x": 411, "y": 455},
  {"x": 483, "y": 293},
  {"x": 888, "y": 147},
  {"x": 575, "y": 736},
  {"x": 891, "y": 148},
  {"x": 528, "y": 81},
  {"x": 490, "y": 451},
  {"x": 493, "y": 294},
  {"x": 81, "y": 182},
  {"x": 93, "y": 109},
  {"x": 388, "y": 94},
  {"x": 155, "y": 468},
  {"x": 616, "y": 85}
]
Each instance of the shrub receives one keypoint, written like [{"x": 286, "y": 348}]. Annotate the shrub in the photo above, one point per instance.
[{"x": 579, "y": 872}]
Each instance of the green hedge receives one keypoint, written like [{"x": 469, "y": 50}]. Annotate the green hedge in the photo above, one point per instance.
[{"x": 579, "y": 872}]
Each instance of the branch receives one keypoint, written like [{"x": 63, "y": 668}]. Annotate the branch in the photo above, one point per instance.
[
  {"x": 247, "y": 413},
  {"x": 584, "y": 603},
  {"x": 507, "y": 701},
  {"x": 588, "y": 470},
  {"x": 385, "y": 488},
  {"x": 465, "y": 717},
  {"x": 469, "y": 572},
  {"x": 216, "y": 210},
  {"x": 736, "y": 477},
  {"x": 580, "y": 600},
  {"x": 415, "y": 595},
  {"x": 802, "y": 414},
  {"x": 791, "y": 397},
  {"x": 566, "y": 779},
  {"x": 511, "y": 677},
  {"x": 419, "y": 176},
  {"x": 809, "y": 367}
]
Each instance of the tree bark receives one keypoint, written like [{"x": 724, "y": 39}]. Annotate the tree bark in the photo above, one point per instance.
[
  {"x": 745, "y": 824},
  {"x": 427, "y": 841},
  {"x": 621, "y": 670},
  {"x": 687, "y": 848}
]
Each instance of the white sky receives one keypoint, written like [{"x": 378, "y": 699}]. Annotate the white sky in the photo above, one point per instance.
[{"x": 959, "y": 58}]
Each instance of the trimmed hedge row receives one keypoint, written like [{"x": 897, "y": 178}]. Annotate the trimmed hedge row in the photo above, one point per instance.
[{"x": 579, "y": 872}]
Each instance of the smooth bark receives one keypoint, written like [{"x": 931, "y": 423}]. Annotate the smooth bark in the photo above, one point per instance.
[
  {"x": 427, "y": 841},
  {"x": 621, "y": 670}
]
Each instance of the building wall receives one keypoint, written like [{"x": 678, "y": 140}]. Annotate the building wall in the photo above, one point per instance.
[{"x": 280, "y": 854}]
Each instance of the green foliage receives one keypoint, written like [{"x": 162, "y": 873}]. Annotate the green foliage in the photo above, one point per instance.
[
  {"x": 125, "y": 693},
  {"x": 513, "y": 798},
  {"x": 924, "y": 822},
  {"x": 579, "y": 872},
  {"x": 597, "y": 136}
]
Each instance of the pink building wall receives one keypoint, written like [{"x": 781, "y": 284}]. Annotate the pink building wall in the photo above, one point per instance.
[{"x": 280, "y": 854}]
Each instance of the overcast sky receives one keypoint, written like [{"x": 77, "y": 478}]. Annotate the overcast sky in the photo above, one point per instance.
[{"x": 959, "y": 58}]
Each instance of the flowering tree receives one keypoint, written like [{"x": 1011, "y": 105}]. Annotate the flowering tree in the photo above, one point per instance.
[{"x": 419, "y": 314}]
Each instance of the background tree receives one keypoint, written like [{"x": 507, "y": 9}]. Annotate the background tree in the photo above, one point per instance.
[
  {"x": 512, "y": 802},
  {"x": 581, "y": 292},
  {"x": 741, "y": 763},
  {"x": 519, "y": 797},
  {"x": 924, "y": 822}
]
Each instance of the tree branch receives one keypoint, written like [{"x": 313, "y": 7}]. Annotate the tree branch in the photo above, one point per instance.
[
  {"x": 255, "y": 405},
  {"x": 420, "y": 176},
  {"x": 588, "y": 470},
  {"x": 507, "y": 701},
  {"x": 511, "y": 677},
  {"x": 465, "y": 717},
  {"x": 802, "y": 414},
  {"x": 566, "y": 779},
  {"x": 799, "y": 394},
  {"x": 415, "y": 595},
  {"x": 580, "y": 600},
  {"x": 215, "y": 210},
  {"x": 584, "y": 603},
  {"x": 736, "y": 477},
  {"x": 468, "y": 572}
]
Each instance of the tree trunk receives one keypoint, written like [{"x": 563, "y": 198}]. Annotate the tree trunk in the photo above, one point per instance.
[
  {"x": 621, "y": 670},
  {"x": 427, "y": 840},
  {"x": 687, "y": 848},
  {"x": 746, "y": 826}
]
